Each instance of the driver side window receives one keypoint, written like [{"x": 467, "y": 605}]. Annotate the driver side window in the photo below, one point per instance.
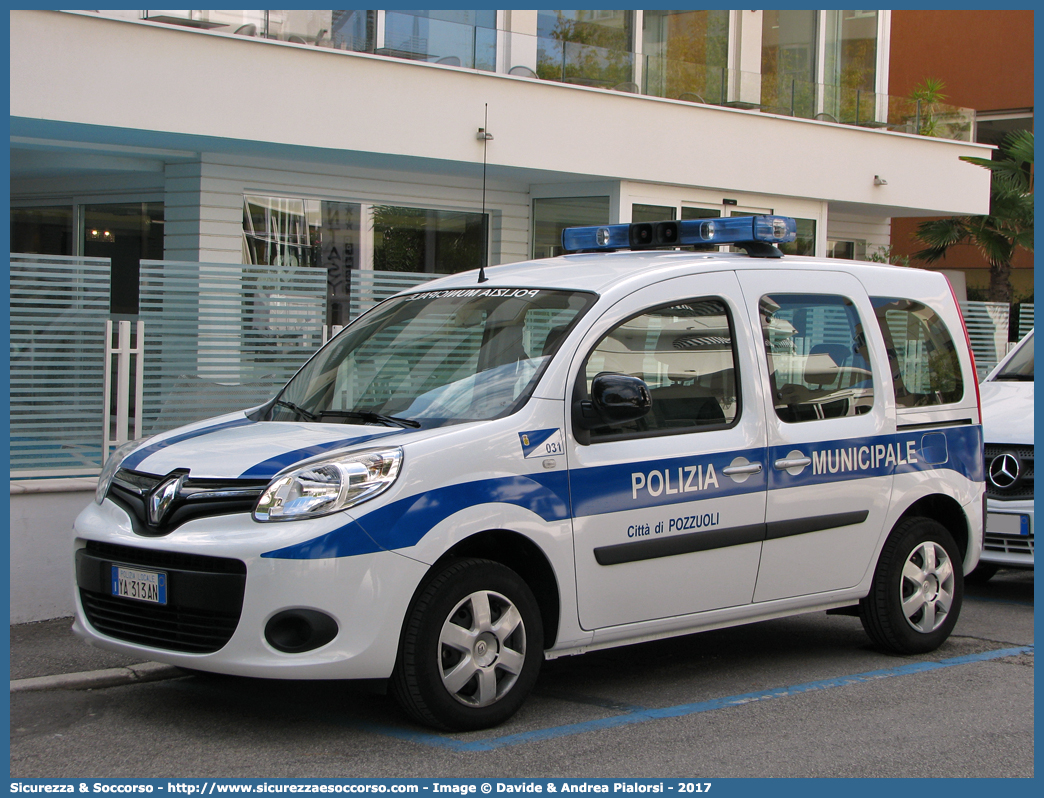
[{"x": 684, "y": 353}]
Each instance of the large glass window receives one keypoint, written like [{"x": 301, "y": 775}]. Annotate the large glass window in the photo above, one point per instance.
[
  {"x": 42, "y": 230},
  {"x": 456, "y": 38},
  {"x": 788, "y": 61},
  {"x": 850, "y": 41},
  {"x": 433, "y": 242},
  {"x": 686, "y": 54},
  {"x": 851, "y": 49},
  {"x": 817, "y": 357},
  {"x": 923, "y": 358},
  {"x": 652, "y": 213},
  {"x": 589, "y": 48},
  {"x": 684, "y": 353},
  {"x": 126, "y": 233},
  {"x": 294, "y": 232},
  {"x": 552, "y": 215}
]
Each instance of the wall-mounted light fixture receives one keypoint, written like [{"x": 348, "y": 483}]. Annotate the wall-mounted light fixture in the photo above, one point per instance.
[
  {"x": 482, "y": 135},
  {"x": 100, "y": 235},
  {"x": 880, "y": 181}
]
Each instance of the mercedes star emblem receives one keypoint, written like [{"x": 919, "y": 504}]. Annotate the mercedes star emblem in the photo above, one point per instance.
[{"x": 1004, "y": 470}]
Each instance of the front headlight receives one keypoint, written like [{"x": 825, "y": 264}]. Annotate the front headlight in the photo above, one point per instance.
[
  {"x": 328, "y": 485},
  {"x": 112, "y": 465}
]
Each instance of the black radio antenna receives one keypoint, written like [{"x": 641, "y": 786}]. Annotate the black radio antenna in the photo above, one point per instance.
[{"x": 485, "y": 135}]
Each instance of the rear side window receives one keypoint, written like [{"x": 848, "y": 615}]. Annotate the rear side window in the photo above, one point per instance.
[
  {"x": 817, "y": 357},
  {"x": 926, "y": 370}
]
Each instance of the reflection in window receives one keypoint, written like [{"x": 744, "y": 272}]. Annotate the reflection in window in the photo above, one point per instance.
[
  {"x": 805, "y": 243},
  {"x": 552, "y": 215},
  {"x": 817, "y": 357},
  {"x": 42, "y": 230},
  {"x": 652, "y": 213},
  {"x": 788, "y": 62},
  {"x": 686, "y": 54},
  {"x": 433, "y": 242},
  {"x": 589, "y": 48},
  {"x": 300, "y": 233},
  {"x": 456, "y": 38},
  {"x": 126, "y": 233},
  {"x": 684, "y": 353},
  {"x": 921, "y": 354},
  {"x": 850, "y": 65}
]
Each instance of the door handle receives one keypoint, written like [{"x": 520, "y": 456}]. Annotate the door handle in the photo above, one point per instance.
[
  {"x": 793, "y": 462},
  {"x": 751, "y": 468}
]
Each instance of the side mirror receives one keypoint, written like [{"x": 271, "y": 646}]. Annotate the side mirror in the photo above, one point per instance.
[{"x": 615, "y": 399}]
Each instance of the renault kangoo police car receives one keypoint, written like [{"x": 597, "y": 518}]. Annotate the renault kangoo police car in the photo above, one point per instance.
[{"x": 546, "y": 458}]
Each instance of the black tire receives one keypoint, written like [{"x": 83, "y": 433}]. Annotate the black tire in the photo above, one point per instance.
[
  {"x": 982, "y": 574},
  {"x": 471, "y": 647},
  {"x": 918, "y": 588}
]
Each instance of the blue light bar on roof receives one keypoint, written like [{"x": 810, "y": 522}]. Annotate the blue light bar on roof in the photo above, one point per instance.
[{"x": 641, "y": 235}]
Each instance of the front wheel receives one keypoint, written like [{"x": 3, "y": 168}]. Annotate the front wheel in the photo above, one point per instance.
[
  {"x": 471, "y": 647},
  {"x": 917, "y": 590}
]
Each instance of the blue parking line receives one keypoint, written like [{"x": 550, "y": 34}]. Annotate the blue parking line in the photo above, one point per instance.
[{"x": 644, "y": 715}]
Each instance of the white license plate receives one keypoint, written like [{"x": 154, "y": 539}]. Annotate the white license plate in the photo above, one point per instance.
[
  {"x": 1008, "y": 524},
  {"x": 150, "y": 586}
]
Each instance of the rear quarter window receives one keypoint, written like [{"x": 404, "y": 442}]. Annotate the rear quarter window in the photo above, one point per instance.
[{"x": 926, "y": 370}]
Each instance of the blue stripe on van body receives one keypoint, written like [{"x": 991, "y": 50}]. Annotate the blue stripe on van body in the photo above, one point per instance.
[
  {"x": 956, "y": 449},
  {"x": 136, "y": 458},
  {"x": 403, "y": 523},
  {"x": 607, "y": 489},
  {"x": 273, "y": 465}
]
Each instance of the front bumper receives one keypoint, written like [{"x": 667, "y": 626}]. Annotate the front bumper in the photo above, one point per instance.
[{"x": 222, "y": 594}]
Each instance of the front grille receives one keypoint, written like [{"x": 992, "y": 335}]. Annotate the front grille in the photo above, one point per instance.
[
  {"x": 204, "y": 598},
  {"x": 1008, "y": 545},
  {"x": 1021, "y": 488},
  {"x": 193, "y": 498}
]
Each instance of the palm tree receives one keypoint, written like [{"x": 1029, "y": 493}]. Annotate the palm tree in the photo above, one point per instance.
[{"x": 1009, "y": 224}]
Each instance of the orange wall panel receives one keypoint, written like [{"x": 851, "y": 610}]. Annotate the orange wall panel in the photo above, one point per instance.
[{"x": 985, "y": 58}]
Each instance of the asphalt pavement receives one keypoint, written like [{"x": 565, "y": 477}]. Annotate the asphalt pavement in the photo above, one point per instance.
[{"x": 47, "y": 656}]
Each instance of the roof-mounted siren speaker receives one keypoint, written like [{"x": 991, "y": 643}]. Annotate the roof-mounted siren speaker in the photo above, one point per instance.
[
  {"x": 640, "y": 235},
  {"x": 665, "y": 234},
  {"x": 652, "y": 234}
]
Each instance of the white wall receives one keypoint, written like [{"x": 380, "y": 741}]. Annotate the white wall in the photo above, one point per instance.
[
  {"x": 227, "y": 86},
  {"x": 42, "y": 570}
]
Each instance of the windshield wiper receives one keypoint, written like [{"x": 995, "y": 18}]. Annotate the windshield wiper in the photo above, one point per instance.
[
  {"x": 366, "y": 415},
  {"x": 1013, "y": 378},
  {"x": 305, "y": 414}
]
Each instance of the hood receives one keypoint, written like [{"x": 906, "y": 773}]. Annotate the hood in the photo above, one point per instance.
[
  {"x": 1007, "y": 411},
  {"x": 232, "y": 447}
]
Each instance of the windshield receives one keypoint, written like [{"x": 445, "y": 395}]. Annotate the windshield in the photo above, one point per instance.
[
  {"x": 434, "y": 358},
  {"x": 1020, "y": 367}
]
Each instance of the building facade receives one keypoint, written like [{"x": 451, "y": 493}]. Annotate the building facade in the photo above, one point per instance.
[
  {"x": 365, "y": 144},
  {"x": 351, "y": 140}
]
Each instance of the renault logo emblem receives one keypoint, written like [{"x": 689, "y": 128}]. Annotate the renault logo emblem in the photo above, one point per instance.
[
  {"x": 162, "y": 496},
  {"x": 1004, "y": 470}
]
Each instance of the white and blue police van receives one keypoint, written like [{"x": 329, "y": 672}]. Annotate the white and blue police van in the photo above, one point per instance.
[{"x": 540, "y": 459}]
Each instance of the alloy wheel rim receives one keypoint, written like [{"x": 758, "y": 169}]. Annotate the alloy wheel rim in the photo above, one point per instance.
[
  {"x": 926, "y": 587},
  {"x": 482, "y": 648}
]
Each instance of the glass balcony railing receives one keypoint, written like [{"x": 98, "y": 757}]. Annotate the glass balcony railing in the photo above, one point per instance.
[{"x": 408, "y": 36}]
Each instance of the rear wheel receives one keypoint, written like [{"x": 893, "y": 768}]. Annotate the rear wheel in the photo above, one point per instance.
[
  {"x": 917, "y": 590},
  {"x": 471, "y": 648}
]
